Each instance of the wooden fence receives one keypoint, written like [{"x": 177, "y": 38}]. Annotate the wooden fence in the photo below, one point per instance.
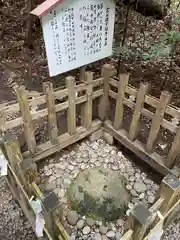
[
  {"x": 22, "y": 166},
  {"x": 142, "y": 106},
  {"x": 149, "y": 224}
]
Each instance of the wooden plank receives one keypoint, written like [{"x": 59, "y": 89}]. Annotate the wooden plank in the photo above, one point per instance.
[
  {"x": 138, "y": 109},
  {"x": 27, "y": 119},
  {"x": 123, "y": 82},
  {"x": 87, "y": 108},
  {"x": 52, "y": 121},
  {"x": 106, "y": 72},
  {"x": 154, "y": 160},
  {"x": 157, "y": 120},
  {"x": 42, "y": 113},
  {"x": 145, "y": 112},
  {"x": 46, "y": 149},
  {"x": 71, "y": 116},
  {"x": 174, "y": 151}
]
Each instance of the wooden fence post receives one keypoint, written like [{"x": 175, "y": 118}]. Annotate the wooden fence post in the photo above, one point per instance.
[
  {"x": 52, "y": 122},
  {"x": 169, "y": 191},
  {"x": 82, "y": 71},
  {"x": 123, "y": 82},
  {"x": 138, "y": 221},
  {"x": 27, "y": 118},
  {"x": 87, "y": 106},
  {"x": 50, "y": 205},
  {"x": 137, "y": 112},
  {"x": 70, "y": 83},
  {"x": 157, "y": 119},
  {"x": 15, "y": 158},
  {"x": 107, "y": 71},
  {"x": 174, "y": 151}
]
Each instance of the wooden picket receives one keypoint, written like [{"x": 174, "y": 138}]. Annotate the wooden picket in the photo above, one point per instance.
[{"x": 137, "y": 111}]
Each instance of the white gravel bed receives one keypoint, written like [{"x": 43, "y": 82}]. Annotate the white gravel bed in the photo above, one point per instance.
[{"x": 58, "y": 174}]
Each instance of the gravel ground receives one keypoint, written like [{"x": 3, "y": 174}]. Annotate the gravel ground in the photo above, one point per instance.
[
  {"x": 13, "y": 225},
  {"x": 60, "y": 172}
]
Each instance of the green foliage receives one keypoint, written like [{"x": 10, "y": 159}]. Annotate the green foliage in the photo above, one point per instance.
[
  {"x": 157, "y": 51},
  {"x": 171, "y": 36},
  {"x": 168, "y": 45},
  {"x": 178, "y": 20},
  {"x": 126, "y": 52}
]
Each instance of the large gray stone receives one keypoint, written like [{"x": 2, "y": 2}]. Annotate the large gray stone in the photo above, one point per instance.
[{"x": 99, "y": 193}]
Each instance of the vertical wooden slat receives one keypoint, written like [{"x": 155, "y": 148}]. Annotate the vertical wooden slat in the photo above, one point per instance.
[
  {"x": 174, "y": 151},
  {"x": 107, "y": 71},
  {"x": 82, "y": 71},
  {"x": 157, "y": 119},
  {"x": 123, "y": 82},
  {"x": 27, "y": 118},
  {"x": 70, "y": 83},
  {"x": 137, "y": 112},
  {"x": 87, "y": 107},
  {"x": 52, "y": 121}
]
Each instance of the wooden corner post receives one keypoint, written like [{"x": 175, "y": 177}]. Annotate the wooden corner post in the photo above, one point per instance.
[
  {"x": 52, "y": 122},
  {"x": 107, "y": 71},
  {"x": 139, "y": 221},
  {"x": 27, "y": 118},
  {"x": 169, "y": 191},
  {"x": 70, "y": 83}
]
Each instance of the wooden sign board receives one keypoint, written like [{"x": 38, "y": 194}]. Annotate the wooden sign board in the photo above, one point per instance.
[{"x": 77, "y": 32}]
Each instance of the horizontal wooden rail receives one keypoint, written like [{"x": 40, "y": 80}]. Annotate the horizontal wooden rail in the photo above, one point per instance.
[
  {"x": 64, "y": 140},
  {"x": 152, "y": 101},
  {"x": 145, "y": 112},
  {"x": 58, "y": 94},
  {"x": 44, "y": 112}
]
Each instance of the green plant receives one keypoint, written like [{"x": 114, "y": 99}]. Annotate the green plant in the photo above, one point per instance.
[{"x": 167, "y": 47}]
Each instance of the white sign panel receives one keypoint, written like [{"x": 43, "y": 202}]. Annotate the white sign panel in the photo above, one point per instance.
[{"x": 78, "y": 32}]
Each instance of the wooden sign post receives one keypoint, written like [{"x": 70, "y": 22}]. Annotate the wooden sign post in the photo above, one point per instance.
[{"x": 76, "y": 33}]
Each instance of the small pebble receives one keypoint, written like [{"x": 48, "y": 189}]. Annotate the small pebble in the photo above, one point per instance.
[
  {"x": 151, "y": 199},
  {"x": 97, "y": 236},
  {"x": 86, "y": 230},
  {"x": 110, "y": 234},
  {"x": 72, "y": 217},
  {"x": 90, "y": 222},
  {"x": 80, "y": 224},
  {"x": 120, "y": 222},
  {"x": 103, "y": 229}
]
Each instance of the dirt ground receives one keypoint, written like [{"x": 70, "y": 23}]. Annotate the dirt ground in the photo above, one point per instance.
[{"x": 30, "y": 65}]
